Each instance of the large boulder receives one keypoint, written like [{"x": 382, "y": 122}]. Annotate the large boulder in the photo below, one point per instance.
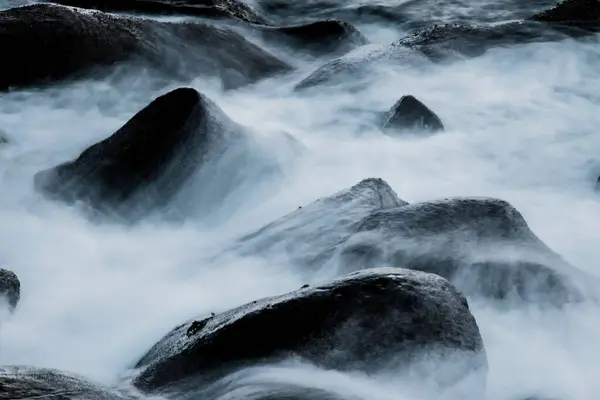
[
  {"x": 10, "y": 288},
  {"x": 366, "y": 321},
  {"x": 21, "y": 383},
  {"x": 309, "y": 235},
  {"x": 482, "y": 245},
  {"x": 144, "y": 165},
  {"x": 327, "y": 37},
  {"x": 583, "y": 14},
  {"x": 202, "y": 8},
  {"x": 409, "y": 114},
  {"x": 63, "y": 42}
]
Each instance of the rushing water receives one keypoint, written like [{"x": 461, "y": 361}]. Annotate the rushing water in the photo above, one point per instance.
[{"x": 521, "y": 124}]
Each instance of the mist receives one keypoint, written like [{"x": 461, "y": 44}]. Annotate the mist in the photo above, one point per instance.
[{"x": 521, "y": 125}]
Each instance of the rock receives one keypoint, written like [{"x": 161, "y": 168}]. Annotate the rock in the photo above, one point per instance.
[
  {"x": 583, "y": 14},
  {"x": 353, "y": 68},
  {"x": 433, "y": 44},
  {"x": 440, "y": 42},
  {"x": 293, "y": 238},
  {"x": 10, "y": 288},
  {"x": 201, "y": 8},
  {"x": 410, "y": 114},
  {"x": 328, "y": 37},
  {"x": 598, "y": 184},
  {"x": 145, "y": 164},
  {"x": 67, "y": 43},
  {"x": 364, "y": 320},
  {"x": 21, "y": 382},
  {"x": 482, "y": 245}
]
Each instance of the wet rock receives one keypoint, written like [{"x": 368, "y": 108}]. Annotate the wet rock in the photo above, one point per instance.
[
  {"x": 440, "y": 42},
  {"x": 432, "y": 44},
  {"x": 293, "y": 237},
  {"x": 353, "y": 69},
  {"x": 410, "y": 114},
  {"x": 364, "y": 320},
  {"x": 144, "y": 165},
  {"x": 21, "y": 382},
  {"x": 68, "y": 43},
  {"x": 10, "y": 288},
  {"x": 328, "y": 37},
  {"x": 583, "y": 14},
  {"x": 482, "y": 245},
  {"x": 201, "y": 8}
]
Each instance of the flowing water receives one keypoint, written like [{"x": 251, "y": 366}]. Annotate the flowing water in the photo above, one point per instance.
[{"x": 521, "y": 124}]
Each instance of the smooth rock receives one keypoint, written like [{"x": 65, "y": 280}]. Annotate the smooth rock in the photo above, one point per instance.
[
  {"x": 145, "y": 164},
  {"x": 363, "y": 321},
  {"x": 482, "y": 245},
  {"x": 65, "y": 43},
  {"x": 328, "y": 37},
  {"x": 309, "y": 235}
]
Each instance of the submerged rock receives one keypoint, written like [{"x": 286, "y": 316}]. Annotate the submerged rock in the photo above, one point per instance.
[
  {"x": 145, "y": 164},
  {"x": 65, "y": 43},
  {"x": 583, "y": 14},
  {"x": 201, "y": 8},
  {"x": 482, "y": 245},
  {"x": 360, "y": 64},
  {"x": 433, "y": 44},
  {"x": 410, "y": 114},
  {"x": 10, "y": 288},
  {"x": 440, "y": 42},
  {"x": 309, "y": 235},
  {"x": 363, "y": 321},
  {"x": 20, "y": 383},
  {"x": 328, "y": 37}
]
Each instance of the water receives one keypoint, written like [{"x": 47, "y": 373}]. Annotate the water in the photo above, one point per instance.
[{"x": 521, "y": 125}]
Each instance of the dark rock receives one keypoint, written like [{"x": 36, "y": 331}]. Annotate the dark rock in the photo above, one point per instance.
[
  {"x": 10, "y": 288},
  {"x": 598, "y": 184},
  {"x": 410, "y": 114},
  {"x": 201, "y": 8},
  {"x": 362, "y": 321},
  {"x": 64, "y": 42},
  {"x": 330, "y": 37},
  {"x": 482, "y": 245},
  {"x": 3, "y": 138},
  {"x": 293, "y": 237},
  {"x": 583, "y": 14},
  {"x": 440, "y": 42},
  {"x": 20, "y": 383},
  {"x": 146, "y": 163}
]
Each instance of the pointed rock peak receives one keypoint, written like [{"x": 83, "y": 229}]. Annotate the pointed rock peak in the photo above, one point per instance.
[{"x": 410, "y": 114}]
